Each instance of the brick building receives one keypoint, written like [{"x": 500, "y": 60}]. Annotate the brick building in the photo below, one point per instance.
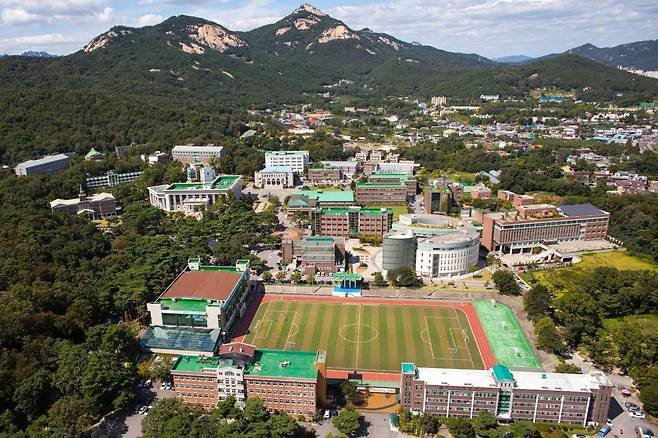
[
  {"x": 381, "y": 193},
  {"x": 351, "y": 222},
  {"x": 328, "y": 174},
  {"x": 289, "y": 381},
  {"x": 521, "y": 230},
  {"x": 395, "y": 178},
  {"x": 195, "y": 380},
  {"x": 518, "y": 395}
]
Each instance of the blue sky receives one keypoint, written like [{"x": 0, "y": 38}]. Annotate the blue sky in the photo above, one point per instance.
[{"x": 489, "y": 27}]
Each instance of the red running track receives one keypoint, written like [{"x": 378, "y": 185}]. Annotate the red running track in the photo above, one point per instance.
[{"x": 469, "y": 310}]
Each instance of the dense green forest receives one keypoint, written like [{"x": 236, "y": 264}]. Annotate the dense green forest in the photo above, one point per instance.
[{"x": 72, "y": 297}]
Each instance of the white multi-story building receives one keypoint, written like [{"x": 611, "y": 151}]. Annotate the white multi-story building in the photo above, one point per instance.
[
  {"x": 297, "y": 160},
  {"x": 447, "y": 255},
  {"x": 189, "y": 153},
  {"x": 274, "y": 177},
  {"x": 191, "y": 198}
]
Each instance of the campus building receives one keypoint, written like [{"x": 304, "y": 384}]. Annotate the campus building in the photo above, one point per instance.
[
  {"x": 195, "y": 197},
  {"x": 448, "y": 255},
  {"x": 519, "y": 395},
  {"x": 531, "y": 225},
  {"x": 98, "y": 206},
  {"x": 190, "y": 153},
  {"x": 111, "y": 179},
  {"x": 315, "y": 254},
  {"x": 352, "y": 222},
  {"x": 297, "y": 160},
  {"x": 348, "y": 168},
  {"x": 441, "y": 195},
  {"x": 49, "y": 165},
  {"x": 395, "y": 178},
  {"x": 327, "y": 175},
  {"x": 399, "y": 250},
  {"x": 381, "y": 193},
  {"x": 275, "y": 177},
  {"x": 288, "y": 381},
  {"x": 310, "y": 200},
  {"x": 198, "y": 308}
]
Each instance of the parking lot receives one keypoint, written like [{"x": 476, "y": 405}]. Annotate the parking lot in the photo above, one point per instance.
[{"x": 130, "y": 425}]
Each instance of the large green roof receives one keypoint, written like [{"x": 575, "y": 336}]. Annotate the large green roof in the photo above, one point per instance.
[
  {"x": 402, "y": 177},
  {"x": 284, "y": 364},
  {"x": 196, "y": 364},
  {"x": 225, "y": 181},
  {"x": 329, "y": 196}
]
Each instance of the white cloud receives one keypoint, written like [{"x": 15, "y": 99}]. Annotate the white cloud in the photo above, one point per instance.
[
  {"x": 20, "y": 16},
  {"x": 17, "y": 12},
  {"x": 500, "y": 27},
  {"x": 48, "y": 42},
  {"x": 149, "y": 20}
]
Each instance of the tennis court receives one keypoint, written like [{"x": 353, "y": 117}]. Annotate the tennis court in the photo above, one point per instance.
[{"x": 508, "y": 342}]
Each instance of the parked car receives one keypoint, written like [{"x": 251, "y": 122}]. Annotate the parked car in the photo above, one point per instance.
[
  {"x": 141, "y": 410},
  {"x": 636, "y": 414},
  {"x": 608, "y": 422},
  {"x": 148, "y": 383},
  {"x": 327, "y": 414},
  {"x": 631, "y": 405},
  {"x": 169, "y": 386},
  {"x": 603, "y": 431},
  {"x": 578, "y": 435},
  {"x": 163, "y": 386},
  {"x": 625, "y": 392}
]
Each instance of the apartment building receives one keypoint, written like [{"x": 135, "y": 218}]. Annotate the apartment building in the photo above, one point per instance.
[
  {"x": 189, "y": 153},
  {"x": 297, "y": 160},
  {"x": 191, "y": 198},
  {"x": 49, "y": 165},
  {"x": 198, "y": 308},
  {"x": 530, "y": 225},
  {"x": 352, "y": 222},
  {"x": 519, "y": 395},
  {"x": 97, "y": 206},
  {"x": 315, "y": 254}
]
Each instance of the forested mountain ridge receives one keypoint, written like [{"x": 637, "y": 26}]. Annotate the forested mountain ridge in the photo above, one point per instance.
[
  {"x": 639, "y": 54},
  {"x": 306, "y": 52},
  {"x": 173, "y": 80}
]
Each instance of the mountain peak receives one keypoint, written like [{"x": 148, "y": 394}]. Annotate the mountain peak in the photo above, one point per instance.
[{"x": 306, "y": 7}]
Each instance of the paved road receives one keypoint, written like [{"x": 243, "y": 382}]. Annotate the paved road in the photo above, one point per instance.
[{"x": 133, "y": 422}]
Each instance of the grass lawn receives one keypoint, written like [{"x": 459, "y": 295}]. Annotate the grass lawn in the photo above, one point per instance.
[
  {"x": 568, "y": 277},
  {"x": 368, "y": 337}
]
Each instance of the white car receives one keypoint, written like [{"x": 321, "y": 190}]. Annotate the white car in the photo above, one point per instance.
[
  {"x": 141, "y": 410},
  {"x": 163, "y": 386},
  {"x": 327, "y": 414},
  {"x": 636, "y": 414},
  {"x": 609, "y": 422},
  {"x": 578, "y": 435}
]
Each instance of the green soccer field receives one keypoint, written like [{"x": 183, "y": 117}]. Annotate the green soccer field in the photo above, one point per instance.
[{"x": 368, "y": 337}]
